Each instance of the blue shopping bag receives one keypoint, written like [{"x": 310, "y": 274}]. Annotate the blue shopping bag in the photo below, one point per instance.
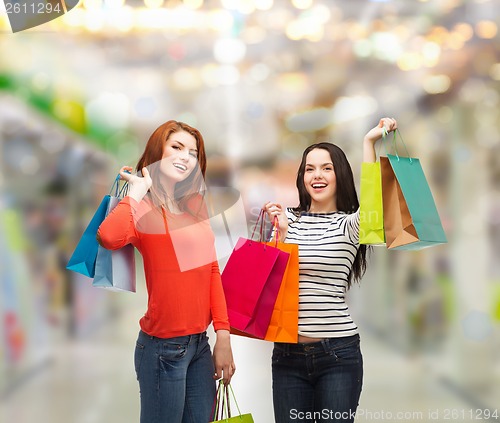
[{"x": 84, "y": 257}]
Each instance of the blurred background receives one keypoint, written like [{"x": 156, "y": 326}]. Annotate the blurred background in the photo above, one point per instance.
[{"x": 261, "y": 79}]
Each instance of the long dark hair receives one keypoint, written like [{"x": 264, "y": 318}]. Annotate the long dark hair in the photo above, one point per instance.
[
  {"x": 193, "y": 185},
  {"x": 346, "y": 197}
]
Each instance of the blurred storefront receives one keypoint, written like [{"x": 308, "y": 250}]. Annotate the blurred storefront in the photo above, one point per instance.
[{"x": 261, "y": 79}]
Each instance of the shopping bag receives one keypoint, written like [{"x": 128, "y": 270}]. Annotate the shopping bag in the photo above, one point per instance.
[
  {"x": 115, "y": 270},
  {"x": 284, "y": 324},
  {"x": 411, "y": 220},
  {"x": 222, "y": 408},
  {"x": 371, "y": 216},
  {"x": 251, "y": 280},
  {"x": 84, "y": 257}
]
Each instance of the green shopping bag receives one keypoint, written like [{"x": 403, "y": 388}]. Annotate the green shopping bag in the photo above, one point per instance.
[
  {"x": 411, "y": 220},
  {"x": 222, "y": 407},
  {"x": 371, "y": 215}
]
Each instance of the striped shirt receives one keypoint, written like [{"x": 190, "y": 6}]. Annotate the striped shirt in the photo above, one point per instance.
[{"x": 328, "y": 244}]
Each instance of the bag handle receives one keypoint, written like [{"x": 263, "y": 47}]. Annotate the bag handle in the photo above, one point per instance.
[
  {"x": 394, "y": 143},
  {"x": 124, "y": 190},
  {"x": 119, "y": 192},
  {"x": 234, "y": 398},
  {"x": 228, "y": 406},
  {"x": 216, "y": 407},
  {"x": 115, "y": 186},
  {"x": 261, "y": 221},
  {"x": 275, "y": 227},
  {"x": 222, "y": 404}
]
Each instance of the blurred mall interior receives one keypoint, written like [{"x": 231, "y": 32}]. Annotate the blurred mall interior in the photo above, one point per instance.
[{"x": 261, "y": 79}]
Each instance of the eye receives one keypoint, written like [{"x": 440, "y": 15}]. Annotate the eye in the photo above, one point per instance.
[
  {"x": 309, "y": 169},
  {"x": 176, "y": 147},
  {"x": 193, "y": 154},
  {"x": 329, "y": 168}
]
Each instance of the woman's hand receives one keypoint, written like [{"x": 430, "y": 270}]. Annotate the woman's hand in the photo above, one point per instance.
[
  {"x": 275, "y": 210},
  {"x": 138, "y": 186},
  {"x": 223, "y": 357},
  {"x": 374, "y": 134}
]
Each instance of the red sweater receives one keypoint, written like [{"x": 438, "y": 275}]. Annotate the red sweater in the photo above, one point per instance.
[{"x": 182, "y": 274}]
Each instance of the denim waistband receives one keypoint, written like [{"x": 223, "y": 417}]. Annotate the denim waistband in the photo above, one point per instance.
[
  {"x": 185, "y": 339},
  {"x": 315, "y": 347}
]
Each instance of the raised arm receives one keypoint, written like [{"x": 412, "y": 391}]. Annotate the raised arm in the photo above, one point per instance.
[
  {"x": 118, "y": 229},
  {"x": 373, "y": 135}
]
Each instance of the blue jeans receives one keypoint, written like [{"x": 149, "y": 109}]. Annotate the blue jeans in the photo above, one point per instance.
[
  {"x": 317, "y": 382},
  {"x": 175, "y": 378}
]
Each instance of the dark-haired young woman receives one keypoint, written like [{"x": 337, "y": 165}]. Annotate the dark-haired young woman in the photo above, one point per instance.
[
  {"x": 319, "y": 379},
  {"x": 164, "y": 216}
]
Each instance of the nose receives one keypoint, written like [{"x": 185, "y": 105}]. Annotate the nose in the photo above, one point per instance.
[
  {"x": 317, "y": 173},
  {"x": 184, "y": 155}
]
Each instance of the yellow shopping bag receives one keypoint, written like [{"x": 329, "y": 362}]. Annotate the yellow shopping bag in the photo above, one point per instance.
[{"x": 371, "y": 215}]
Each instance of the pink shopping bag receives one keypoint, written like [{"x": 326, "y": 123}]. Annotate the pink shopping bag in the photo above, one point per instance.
[{"x": 251, "y": 281}]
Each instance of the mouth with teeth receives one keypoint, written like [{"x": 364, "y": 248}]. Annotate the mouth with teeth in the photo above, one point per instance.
[
  {"x": 180, "y": 166},
  {"x": 318, "y": 186}
]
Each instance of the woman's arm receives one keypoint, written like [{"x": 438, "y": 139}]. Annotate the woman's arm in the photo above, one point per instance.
[
  {"x": 118, "y": 229},
  {"x": 223, "y": 355},
  {"x": 373, "y": 135}
]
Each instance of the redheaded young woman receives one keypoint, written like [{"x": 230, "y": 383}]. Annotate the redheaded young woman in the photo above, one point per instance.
[
  {"x": 165, "y": 218},
  {"x": 320, "y": 378}
]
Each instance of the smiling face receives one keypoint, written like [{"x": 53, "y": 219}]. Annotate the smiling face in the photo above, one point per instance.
[
  {"x": 180, "y": 156},
  {"x": 320, "y": 181}
]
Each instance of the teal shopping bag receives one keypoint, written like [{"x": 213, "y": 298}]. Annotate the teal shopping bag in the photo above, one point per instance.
[
  {"x": 411, "y": 219},
  {"x": 84, "y": 257}
]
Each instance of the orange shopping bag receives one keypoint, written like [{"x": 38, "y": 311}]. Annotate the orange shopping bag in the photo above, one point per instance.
[{"x": 284, "y": 323}]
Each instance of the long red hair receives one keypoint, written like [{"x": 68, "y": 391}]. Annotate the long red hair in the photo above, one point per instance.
[{"x": 187, "y": 189}]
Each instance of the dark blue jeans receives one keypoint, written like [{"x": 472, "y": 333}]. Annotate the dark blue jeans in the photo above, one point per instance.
[
  {"x": 175, "y": 378},
  {"x": 317, "y": 382}
]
